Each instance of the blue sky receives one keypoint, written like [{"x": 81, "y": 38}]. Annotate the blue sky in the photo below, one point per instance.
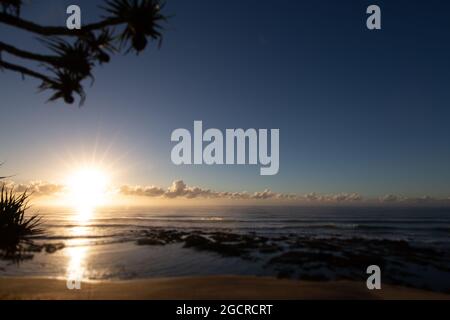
[{"x": 358, "y": 111}]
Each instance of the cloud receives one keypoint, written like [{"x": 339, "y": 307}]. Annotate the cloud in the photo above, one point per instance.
[
  {"x": 390, "y": 198},
  {"x": 347, "y": 197},
  {"x": 424, "y": 199},
  {"x": 37, "y": 188},
  {"x": 179, "y": 189},
  {"x": 398, "y": 198},
  {"x": 142, "y": 191},
  {"x": 266, "y": 194},
  {"x": 340, "y": 197}
]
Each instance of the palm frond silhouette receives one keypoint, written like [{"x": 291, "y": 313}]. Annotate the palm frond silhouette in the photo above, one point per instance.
[
  {"x": 74, "y": 58},
  {"x": 11, "y": 6},
  {"x": 64, "y": 84},
  {"x": 143, "y": 19},
  {"x": 15, "y": 224},
  {"x": 75, "y": 53}
]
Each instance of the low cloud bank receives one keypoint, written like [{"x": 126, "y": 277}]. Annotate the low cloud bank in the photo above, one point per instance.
[
  {"x": 393, "y": 198},
  {"x": 37, "y": 188},
  {"x": 180, "y": 190}
]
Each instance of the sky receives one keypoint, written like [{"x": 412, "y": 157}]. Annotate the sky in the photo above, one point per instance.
[{"x": 359, "y": 111}]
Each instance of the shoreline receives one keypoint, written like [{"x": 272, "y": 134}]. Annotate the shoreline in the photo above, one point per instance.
[
  {"x": 286, "y": 256},
  {"x": 206, "y": 288}
]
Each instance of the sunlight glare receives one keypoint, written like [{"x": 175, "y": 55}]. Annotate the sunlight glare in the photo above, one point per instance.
[{"x": 87, "y": 189}]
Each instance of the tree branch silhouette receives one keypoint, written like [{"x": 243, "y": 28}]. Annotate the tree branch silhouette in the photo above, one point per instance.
[
  {"x": 26, "y": 55},
  {"x": 77, "y": 52},
  {"x": 56, "y": 31},
  {"x": 24, "y": 71}
]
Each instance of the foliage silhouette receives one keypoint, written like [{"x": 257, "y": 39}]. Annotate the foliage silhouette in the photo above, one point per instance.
[
  {"x": 76, "y": 52},
  {"x": 15, "y": 227}
]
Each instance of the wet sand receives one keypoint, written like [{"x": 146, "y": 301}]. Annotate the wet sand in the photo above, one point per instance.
[{"x": 214, "y": 287}]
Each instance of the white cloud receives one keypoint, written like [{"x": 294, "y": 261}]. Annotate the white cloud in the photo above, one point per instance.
[
  {"x": 142, "y": 191},
  {"x": 37, "y": 188},
  {"x": 179, "y": 189},
  {"x": 398, "y": 198}
]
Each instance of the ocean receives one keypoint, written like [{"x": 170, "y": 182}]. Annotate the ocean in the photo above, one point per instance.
[{"x": 313, "y": 243}]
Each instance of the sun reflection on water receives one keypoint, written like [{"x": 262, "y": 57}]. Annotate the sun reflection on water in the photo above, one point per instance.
[
  {"x": 77, "y": 246},
  {"x": 87, "y": 189}
]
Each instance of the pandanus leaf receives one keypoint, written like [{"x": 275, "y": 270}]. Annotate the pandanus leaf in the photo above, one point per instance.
[
  {"x": 11, "y": 6},
  {"x": 143, "y": 19}
]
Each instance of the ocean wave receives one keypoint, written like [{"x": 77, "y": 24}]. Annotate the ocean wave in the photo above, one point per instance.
[
  {"x": 292, "y": 224},
  {"x": 67, "y": 237},
  {"x": 220, "y": 219}
]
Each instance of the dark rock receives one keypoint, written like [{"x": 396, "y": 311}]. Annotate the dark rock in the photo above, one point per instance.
[
  {"x": 53, "y": 247},
  {"x": 204, "y": 244},
  {"x": 150, "y": 242}
]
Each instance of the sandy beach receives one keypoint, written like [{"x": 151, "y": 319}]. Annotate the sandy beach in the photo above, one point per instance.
[{"x": 210, "y": 288}]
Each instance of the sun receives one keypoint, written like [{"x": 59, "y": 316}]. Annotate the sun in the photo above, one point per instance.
[{"x": 87, "y": 188}]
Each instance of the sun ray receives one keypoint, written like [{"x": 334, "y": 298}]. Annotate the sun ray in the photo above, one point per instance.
[{"x": 87, "y": 189}]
